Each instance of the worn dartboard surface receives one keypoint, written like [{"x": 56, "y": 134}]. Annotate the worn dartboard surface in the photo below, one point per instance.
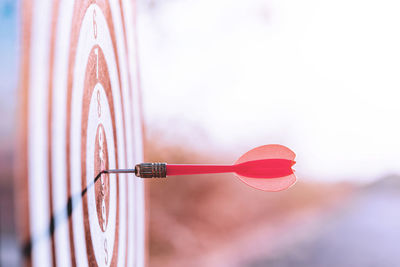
[{"x": 80, "y": 114}]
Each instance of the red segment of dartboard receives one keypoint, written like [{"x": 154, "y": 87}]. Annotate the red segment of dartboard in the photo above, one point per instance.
[{"x": 264, "y": 153}]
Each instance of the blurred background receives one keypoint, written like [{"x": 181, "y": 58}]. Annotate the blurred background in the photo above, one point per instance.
[{"x": 220, "y": 77}]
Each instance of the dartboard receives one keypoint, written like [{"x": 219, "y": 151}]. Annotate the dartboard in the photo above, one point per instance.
[{"x": 80, "y": 113}]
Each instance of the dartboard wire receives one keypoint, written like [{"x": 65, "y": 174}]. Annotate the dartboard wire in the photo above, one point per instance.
[{"x": 49, "y": 230}]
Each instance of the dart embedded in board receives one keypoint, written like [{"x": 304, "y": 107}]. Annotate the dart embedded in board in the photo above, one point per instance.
[{"x": 268, "y": 168}]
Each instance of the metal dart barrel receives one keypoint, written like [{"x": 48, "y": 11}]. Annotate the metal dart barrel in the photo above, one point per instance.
[{"x": 151, "y": 170}]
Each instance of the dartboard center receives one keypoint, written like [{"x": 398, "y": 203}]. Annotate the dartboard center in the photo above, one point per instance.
[{"x": 102, "y": 186}]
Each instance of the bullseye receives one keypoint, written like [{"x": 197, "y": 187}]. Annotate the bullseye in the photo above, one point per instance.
[{"x": 102, "y": 189}]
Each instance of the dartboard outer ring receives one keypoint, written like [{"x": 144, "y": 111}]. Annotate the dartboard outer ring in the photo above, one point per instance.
[{"x": 79, "y": 84}]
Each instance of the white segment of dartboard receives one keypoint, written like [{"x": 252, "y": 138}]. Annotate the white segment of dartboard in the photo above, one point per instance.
[
  {"x": 86, "y": 41},
  {"x": 97, "y": 235},
  {"x": 37, "y": 135},
  {"x": 128, "y": 93},
  {"x": 132, "y": 233},
  {"x": 136, "y": 184},
  {"x": 124, "y": 71},
  {"x": 59, "y": 127}
]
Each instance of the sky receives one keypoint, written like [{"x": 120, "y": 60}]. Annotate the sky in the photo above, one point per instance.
[
  {"x": 319, "y": 76},
  {"x": 9, "y": 48},
  {"x": 8, "y": 44}
]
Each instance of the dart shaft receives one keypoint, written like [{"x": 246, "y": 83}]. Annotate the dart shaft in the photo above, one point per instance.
[
  {"x": 177, "y": 169},
  {"x": 162, "y": 170}
]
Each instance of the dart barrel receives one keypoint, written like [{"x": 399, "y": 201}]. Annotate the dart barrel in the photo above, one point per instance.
[{"x": 151, "y": 170}]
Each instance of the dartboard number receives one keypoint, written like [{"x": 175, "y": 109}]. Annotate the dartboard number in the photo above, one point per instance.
[{"x": 94, "y": 24}]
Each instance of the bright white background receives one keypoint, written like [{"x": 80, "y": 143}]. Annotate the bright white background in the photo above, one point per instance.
[{"x": 322, "y": 77}]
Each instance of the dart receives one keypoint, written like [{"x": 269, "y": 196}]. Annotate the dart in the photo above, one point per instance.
[{"x": 268, "y": 168}]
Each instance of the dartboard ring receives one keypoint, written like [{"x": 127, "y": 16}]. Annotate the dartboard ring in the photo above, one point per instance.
[{"x": 89, "y": 122}]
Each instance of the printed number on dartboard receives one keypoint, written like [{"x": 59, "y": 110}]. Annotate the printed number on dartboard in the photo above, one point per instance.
[{"x": 101, "y": 148}]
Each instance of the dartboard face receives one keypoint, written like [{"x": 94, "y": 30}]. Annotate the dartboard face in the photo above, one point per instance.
[{"x": 81, "y": 114}]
